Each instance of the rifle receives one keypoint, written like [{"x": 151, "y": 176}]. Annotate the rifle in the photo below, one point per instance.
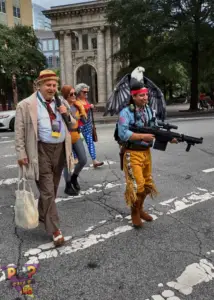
[
  {"x": 65, "y": 117},
  {"x": 163, "y": 135}
]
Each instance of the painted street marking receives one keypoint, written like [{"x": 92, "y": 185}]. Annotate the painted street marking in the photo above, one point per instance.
[
  {"x": 11, "y": 166},
  {"x": 208, "y": 170},
  {"x": 8, "y": 181},
  {"x": 78, "y": 244},
  {"x": 106, "y": 163},
  {"x": 6, "y": 142},
  {"x": 91, "y": 239},
  {"x": 193, "y": 275},
  {"x": 97, "y": 188},
  {"x": 8, "y": 155}
]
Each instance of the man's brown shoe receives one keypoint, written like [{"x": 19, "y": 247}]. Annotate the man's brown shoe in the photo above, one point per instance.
[{"x": 58, "y": 238}]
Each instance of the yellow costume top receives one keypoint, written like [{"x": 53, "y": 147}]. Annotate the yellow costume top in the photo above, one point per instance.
[{"x": 78, "y": 112}]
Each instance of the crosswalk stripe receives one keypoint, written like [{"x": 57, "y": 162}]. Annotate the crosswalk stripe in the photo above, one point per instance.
[
  {"x": 194, "y": 274},
  {"x": 92, "y": 239},
  {"x": 208, "y": 170}
]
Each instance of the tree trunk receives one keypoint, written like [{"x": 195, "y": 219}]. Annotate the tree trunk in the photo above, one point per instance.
[
  {"x": 164, "y": 89},
  {"x": 170, "y": 91},
  {"x": 194, "y": 81},
  {"x": 15, "y": 91}
]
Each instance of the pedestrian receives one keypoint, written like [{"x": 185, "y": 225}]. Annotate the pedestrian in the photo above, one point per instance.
[
  {"x": 136, "y": 155},
  {"x": 43, "y": 145},
  {"x": 78, "y": 112},
  {"x": 87, "y": 129}
]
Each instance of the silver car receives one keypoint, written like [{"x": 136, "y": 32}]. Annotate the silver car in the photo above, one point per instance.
[{"x": 7, "y": 119}]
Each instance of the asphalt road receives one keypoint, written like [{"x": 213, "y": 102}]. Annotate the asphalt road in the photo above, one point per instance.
[{"x": 105, "y": 258}]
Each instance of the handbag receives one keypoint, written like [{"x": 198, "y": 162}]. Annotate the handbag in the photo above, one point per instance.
[
  {"x": 94, "y": 131},
  {"x": 26, "y": 211}
]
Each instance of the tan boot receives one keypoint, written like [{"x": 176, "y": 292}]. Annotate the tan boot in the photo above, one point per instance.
[
  {"x": 135, "y": 214},
  {"x": 143, "y": 214}
]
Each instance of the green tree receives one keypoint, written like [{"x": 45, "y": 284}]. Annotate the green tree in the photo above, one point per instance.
[
  {"x": 170, "y": 31},
  {"x": 20, "y": 57}
]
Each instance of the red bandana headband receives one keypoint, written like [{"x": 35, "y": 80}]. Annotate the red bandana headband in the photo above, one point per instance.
[{"x": 140, "y": 91}]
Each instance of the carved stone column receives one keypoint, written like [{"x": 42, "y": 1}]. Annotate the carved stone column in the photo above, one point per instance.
[
  {"x": 80, "y": 39},
  {"x": 109, "y": 62},
  {"x": 62, "y": 60},
  {"x": 101, "y": 70},
  {"x": 116, "y": 63},
  {"x": 68, "y": 58}
]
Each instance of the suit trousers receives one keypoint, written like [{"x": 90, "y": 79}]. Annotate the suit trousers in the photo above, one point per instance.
[{"x": 51, "y": 163}]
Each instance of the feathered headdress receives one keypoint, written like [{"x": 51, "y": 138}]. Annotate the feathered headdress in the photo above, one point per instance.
[{"x": 121, "y": 95}]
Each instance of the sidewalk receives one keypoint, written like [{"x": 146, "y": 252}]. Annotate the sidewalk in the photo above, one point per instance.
[{"x": 173, "y": 111}]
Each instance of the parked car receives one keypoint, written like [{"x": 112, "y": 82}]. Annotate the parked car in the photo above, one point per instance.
[{"x": 7, "y": 119}]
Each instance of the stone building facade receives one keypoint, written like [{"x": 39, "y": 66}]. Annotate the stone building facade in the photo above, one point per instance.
[{"x": 87, "y": 44}]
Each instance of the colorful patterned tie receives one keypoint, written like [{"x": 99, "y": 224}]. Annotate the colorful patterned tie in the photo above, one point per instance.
[{"x": 50, "y": 111}]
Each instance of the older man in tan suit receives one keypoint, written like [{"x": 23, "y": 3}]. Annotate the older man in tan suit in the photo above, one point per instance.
[{"x": 43, "y": 145}]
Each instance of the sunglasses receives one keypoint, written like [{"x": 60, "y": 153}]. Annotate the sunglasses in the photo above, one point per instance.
[
  {"x": 85, "y": 92},
  {"x": 72, "y": 94}
]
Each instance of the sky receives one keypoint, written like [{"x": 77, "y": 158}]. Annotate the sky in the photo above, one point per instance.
[{"x": 49, "y": 3}]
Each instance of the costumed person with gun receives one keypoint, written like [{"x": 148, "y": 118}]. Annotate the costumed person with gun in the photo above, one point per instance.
[
  {"x": 135, "y": 132},
  {"x": 43, "y": 146}
]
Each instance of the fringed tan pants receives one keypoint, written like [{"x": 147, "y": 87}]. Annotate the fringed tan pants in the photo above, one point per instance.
[{"x": 138, "y": 173}]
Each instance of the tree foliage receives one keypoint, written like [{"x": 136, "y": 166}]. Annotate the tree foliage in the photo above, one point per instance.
[
  {"x": 20, "y": 57},
  {"x": 174, "y": 36},
  {"x": 19, "y": 53}
]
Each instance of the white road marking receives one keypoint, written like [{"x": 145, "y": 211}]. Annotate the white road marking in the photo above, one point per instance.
[
  {"x": 2, "y": 276},
  {"x": 82, "y": 243},
  {"x": 105, "y": 186},
  {"x": 11, "y": 166},
  {"x": 208, "y": 170},
  {"x": 168, "y": 293},
  {"x": 7, "y": 155},
  {"x": 6, "y": 142},
  {"x": 194, "y": 274},
  {"x": 157, "y": 297},
  {"x": 4, "y": 137},
  {"x": 106, "y": 163},
  {"x": 8, "y": 181}
]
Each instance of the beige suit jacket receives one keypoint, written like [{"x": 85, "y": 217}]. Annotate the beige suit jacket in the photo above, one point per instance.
[{"x": 26, "y": 137}]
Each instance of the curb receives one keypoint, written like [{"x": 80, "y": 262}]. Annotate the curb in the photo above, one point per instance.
[{"x": 182, "y": 116}]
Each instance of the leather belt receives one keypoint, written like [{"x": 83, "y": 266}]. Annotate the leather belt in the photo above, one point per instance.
[{"x": 136, "y": 147}]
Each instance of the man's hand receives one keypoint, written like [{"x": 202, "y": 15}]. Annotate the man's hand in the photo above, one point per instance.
[
  {"x": 174, "y": 141},
  {"x": 23, "y": 162},
  {"x": 62, "y": 109},
  {"x": 147, "y": 137}
]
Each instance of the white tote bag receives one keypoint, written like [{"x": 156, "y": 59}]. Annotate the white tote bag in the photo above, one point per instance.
[{"x": 26, "y": 211}]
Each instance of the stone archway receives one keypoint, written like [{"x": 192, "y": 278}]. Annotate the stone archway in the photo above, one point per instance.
[{"x": 87, "y": 74}]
